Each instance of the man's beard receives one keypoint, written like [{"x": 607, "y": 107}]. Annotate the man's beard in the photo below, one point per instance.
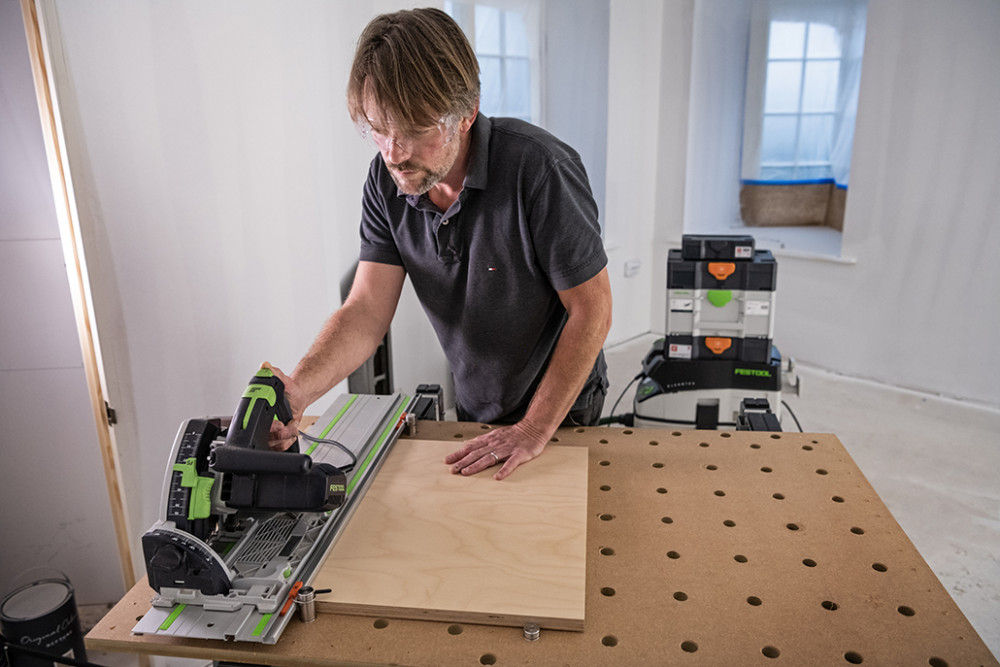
[{"x": 419, "y": 182}]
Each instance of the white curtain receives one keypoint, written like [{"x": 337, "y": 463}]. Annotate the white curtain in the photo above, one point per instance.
[{"x": 818, "y": 137}]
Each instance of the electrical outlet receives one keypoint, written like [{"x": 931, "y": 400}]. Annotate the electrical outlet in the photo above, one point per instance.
[{"x": 632, "y": 267}]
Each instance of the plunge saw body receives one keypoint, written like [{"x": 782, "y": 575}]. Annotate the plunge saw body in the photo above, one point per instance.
[{"x": 242, "y": 527}]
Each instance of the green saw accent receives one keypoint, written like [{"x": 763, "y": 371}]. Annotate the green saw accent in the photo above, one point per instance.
[
  {"x": 287, "y": 573},
  {"x": 173, "y": 616},
  {"x": 378, "y": 445},
  {"x": 259, "y": 630},
  {"x": 333, "y": 423},
  {"x": 264, "y": 373},
  {"x": 255, "y": 392},
  {"x": 719, "y": 297},
  {"x": 200, "y": 502}
]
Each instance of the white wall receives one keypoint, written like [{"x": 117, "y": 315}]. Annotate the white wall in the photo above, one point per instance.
[{"x": 55, "y": 505}]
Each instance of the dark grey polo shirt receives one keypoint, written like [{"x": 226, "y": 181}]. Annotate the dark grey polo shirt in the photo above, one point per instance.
[{"x": 486, "y": 270}]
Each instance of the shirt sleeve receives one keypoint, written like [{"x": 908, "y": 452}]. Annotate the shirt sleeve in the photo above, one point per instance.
[
  {"x": 564, "y": 223},
  {"x": 377, "y": 242}
]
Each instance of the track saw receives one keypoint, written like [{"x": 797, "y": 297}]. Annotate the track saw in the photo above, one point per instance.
[{"x": 242, "y": 528}]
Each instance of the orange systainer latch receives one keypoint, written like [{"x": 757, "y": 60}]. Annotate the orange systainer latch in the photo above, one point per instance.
[
  {"x": 718, "y": 345},
  {"x": 721, "y": 270}
]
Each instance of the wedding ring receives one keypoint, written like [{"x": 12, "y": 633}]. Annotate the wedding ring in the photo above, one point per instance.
[{"x": 496, "y": 459}]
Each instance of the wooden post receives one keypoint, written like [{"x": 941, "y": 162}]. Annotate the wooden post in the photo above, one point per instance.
[{"x": 69, "y": 231}]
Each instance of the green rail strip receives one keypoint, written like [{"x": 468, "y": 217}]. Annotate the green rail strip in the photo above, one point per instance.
[
  {"x": 259, "y": 630},
  {"x": 173, "y": 616},
  {"x": 333, "y": 423},
  {"x": 378, "y": 445}
]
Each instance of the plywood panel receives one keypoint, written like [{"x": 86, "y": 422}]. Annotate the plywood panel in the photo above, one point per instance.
[{"x": 425, "y": 543}]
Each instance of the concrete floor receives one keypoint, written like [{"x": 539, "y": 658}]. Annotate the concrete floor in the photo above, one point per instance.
[{"x": 934, "y": 462}]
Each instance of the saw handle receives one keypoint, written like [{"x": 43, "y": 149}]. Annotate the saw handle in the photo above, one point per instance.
[{"x": 263, "y": 400}]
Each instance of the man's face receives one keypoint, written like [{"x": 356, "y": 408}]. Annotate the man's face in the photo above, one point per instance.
[{"x": 418, "y": 160}]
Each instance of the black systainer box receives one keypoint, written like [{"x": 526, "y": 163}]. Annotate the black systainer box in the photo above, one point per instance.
[
  {"x": 695, "y": 247},
  {"x": 758, "y": 274},
  {"x": 751, "y": 349}
]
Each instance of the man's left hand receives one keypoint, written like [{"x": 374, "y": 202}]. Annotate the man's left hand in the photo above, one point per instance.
[{"x": 507, "y": 445}]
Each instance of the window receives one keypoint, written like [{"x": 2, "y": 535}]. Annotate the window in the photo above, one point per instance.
[
  {"x": 803, "y": 74},
  {"x": 504, "y": 36},
  {"x": 800, "y": 96}
]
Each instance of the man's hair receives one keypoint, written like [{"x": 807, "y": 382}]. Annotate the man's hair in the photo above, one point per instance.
[{"x": 412, "y": 67}]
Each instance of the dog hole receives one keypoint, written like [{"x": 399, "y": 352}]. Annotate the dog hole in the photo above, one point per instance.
[
  {"x": 725, "y": 435},
  {"x": 487, "y": 659},
  {"x": 822, "y": 472},
  {"x": 728, "y": 523},
  {"x": 689, "y": 647},
  {"x": 754, "y": 601},
  {"x": 380, "y": 623},
  {"x": 703, "y": 444},
  {"x": 754, "y": 446},
  {"x": 667, "y": 519},
  {"x": 609, "y": 640},
  {"x": 853, "y": 657},
  {"x": 607, "y": 517},
  {"x": 605, "y": 487},
  {"x": 775, "y": 437},
  {"x": 628, "y": 432},
  {"x": 792, "y": 526},
  {"x": 661, "y": 490},
  {"x": 605, "y": 463},
  {"x": 937, "y": 662},
  {"x": 608, "y": 592},
  {"x": 657, "y": 465},
  {"x": 673, "y": 555},
  {"x": 454, "y": 629},
  {"x": 654, "y": 443},
  {"x": 770, "y": 652},
  {"x": 607, "y": 551},
  {"x": 808, "y": 448},
  {"x": 879, "y": 567},
  {"x": 837, "y": 499},
  {"x": 676, "y": 434},
  {"x": 829, "y": 605},
  {"x": 905, "y": 611},
  {"x": 809, "y": 562},
  {"x": 766, "y": 469},
  {"x": 711, "y": 467},
  {"x": 858, "y": 531},
  {"x": 778, "y": 496},
  {"x": 603, "y": 441},
  {"x": 680, "y": 596},
  {"x": 720, "y": 493},
  {"x": 740, "y": 558}
]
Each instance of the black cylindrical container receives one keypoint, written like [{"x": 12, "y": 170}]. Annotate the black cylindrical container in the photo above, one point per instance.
[{"x": 41, "y": 615}]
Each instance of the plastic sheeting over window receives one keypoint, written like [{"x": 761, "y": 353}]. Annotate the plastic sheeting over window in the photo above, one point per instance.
[{"x": 803, "y": 74}]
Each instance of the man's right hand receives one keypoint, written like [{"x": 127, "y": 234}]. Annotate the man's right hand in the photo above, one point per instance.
[{"x": 283, "y": 435}]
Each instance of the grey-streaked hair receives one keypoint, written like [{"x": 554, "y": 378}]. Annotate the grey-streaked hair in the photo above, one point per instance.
[{"x": 412, "y": 68}]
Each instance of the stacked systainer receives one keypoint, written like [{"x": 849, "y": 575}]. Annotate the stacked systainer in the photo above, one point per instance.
[{"x": 720, "y": 324}]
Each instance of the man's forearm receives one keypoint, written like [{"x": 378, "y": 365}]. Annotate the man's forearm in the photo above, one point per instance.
[
  {"x": 351, "y": 334},
  {"x": 572, "y": 360},
  {"x": 343, "y": 344}
]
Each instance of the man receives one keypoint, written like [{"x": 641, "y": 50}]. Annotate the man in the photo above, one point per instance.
[{"x": 495, "y": 224}]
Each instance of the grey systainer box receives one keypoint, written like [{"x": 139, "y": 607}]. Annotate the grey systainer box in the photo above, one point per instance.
[{"x": 730, "y": 313}]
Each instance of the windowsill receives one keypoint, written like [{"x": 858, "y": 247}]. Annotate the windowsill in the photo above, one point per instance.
[{"x": 811, "y": 242}]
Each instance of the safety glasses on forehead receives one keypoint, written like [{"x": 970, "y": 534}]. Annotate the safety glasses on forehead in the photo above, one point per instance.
[{"x": 432, "y": 137}]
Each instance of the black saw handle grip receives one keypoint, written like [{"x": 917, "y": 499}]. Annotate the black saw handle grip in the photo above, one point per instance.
[{"x": 263, "y": 400}]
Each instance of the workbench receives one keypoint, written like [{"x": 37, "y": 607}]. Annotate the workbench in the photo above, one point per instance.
[{"x": 703, "y": 548}]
